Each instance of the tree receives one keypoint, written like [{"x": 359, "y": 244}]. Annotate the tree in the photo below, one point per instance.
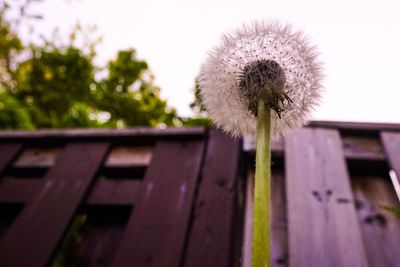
[
  {"x": 200, "y": 118},
  {"x": 57, "y": 86}
]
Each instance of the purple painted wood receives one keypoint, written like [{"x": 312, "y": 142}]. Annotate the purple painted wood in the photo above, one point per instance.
[
  {"x": 128, "y": 135},
  {"x": 380, "y": 228},
  {"x": 104, "y": 192},
  {"x": 391, "y": 144},
  {"x": 156, "y": 231},
  {"x": 33, "y": 237},
  {"x": 19, "y": 190},
  {"x": 351, "y": 127},
  {"x": 211, "y": 239},
  {"x": 100, "y": 232},
  {"x": 323, "y": 226},
  {"x": 7, "y": 153},
  {"x": 115, "y": 192}
]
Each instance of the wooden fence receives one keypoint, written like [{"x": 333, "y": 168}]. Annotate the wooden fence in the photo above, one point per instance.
[
  {"x": 183, "y": 197},
  {"x": 135, "y": 195}
]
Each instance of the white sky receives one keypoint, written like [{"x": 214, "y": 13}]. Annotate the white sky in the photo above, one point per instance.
[{"x": 359, "y": 42}]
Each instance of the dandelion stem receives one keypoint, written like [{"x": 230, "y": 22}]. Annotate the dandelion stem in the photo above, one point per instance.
[{"x": 262, "y": 190}]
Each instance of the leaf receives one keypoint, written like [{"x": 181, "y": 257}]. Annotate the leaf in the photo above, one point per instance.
[{"x": 394, "y": 210}]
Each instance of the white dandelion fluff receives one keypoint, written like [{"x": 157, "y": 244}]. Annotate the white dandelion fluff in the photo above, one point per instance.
[{"x": 261, "y": 61}]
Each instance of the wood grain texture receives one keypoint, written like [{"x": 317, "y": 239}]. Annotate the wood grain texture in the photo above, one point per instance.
[
  {"x": 38, "y": 157},
  {"x": 19, "y": 191},
  {"x": 114, "y": 192},
  {"x": 98, "y": 237},
  {"x": 138, "y": 133},
  {"x": 7, "y": 153},
  {"x": 129, "y": 156},
  {"x": 323, "y": 226},
  {"x": 358, "y": 127},
  {"x": 120, "y": 156},
  {"x": 391, "y": 144},
  {"x": 362, "y": 148},
  {"x": 248, "y": 219},
  {"x": 380, "y": 228},
  {"x": 32, "y": 238},
  {"x": 211, "y": 239},
  {"x": 367, "y": 149},
  {"x": 104, "y": 191},
  {"x": 157, "y": 229},
  {"x": 279, "y": 243}
]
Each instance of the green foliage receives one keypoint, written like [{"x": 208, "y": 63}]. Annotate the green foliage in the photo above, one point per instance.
[
  {"x": 197, "y": 106},
  {"x": 13, "y": 115},
  {"x": 394, "y": 210},
  {"x": 117, "y": 94},
  {"x": 50, "y": 84},
  {"x": 199, "y": 121},
  {"x": 65, "y": 248},
  {"x": 10, "y": 44},
  {"x": 57, "y": 86}
]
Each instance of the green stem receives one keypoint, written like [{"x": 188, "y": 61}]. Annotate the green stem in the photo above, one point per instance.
[{"x": 262, "y": 190}]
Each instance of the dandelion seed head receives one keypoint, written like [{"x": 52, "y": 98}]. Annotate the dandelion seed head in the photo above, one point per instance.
[{"x": 261, "y": 61}]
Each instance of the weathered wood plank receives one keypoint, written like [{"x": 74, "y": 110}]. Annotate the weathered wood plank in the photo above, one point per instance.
[
  {"x": 248, "y": 220},
  {"x": 323, "y": 226},
  {"x": 115, "y": 192},
  {"x": 44, "y": 157},
  {"x": 139, "y": 133},
  {"x": 31, "y": 240},
  {"x": 19, "y": 191},
  {"x": 211, "y": 239},
  {"x": 156, "y": 231},
  {"x": 380, "y": 228},
  {"x": 129, "y": 156},
  {"x": 279, "y": 246},
  {"x": 366, "y": 127},
  {"x": 7, "y": 153},
  {"x": 391, "y": 144},
  {"x": 362, "y": 148},
  {"x": 104, "y": 192},
  {"x": 100, "y": 230}
]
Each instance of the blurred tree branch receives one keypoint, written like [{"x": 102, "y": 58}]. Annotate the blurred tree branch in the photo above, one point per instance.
[{"x": 57, "y": 84}]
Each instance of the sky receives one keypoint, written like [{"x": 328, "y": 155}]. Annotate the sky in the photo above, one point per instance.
[{"x": 358, "y": 41}]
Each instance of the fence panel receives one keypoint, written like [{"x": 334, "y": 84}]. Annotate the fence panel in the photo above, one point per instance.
[{"x": 33, "y": 237}]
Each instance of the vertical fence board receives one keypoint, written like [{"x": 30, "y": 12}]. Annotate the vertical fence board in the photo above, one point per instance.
[
  {"x": 157, "y": 228},
  {"x": 323, "y": 226},
  {"x": 279, "y": 257},
  {"x": 380, "y": 228},
  {"x": 31, "y": 240},
  {"x": 279, "y": 237},
  {"x": 211, "y": 239},
  {"x": 391, "y": 145},
  {"x": 7, "y": 154},
  {"x": 248, "y": 220}
]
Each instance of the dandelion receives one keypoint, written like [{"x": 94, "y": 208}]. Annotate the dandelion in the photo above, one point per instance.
[
  {"x": 265, "y": 61},
  {"x": 263, "y": 80}
]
